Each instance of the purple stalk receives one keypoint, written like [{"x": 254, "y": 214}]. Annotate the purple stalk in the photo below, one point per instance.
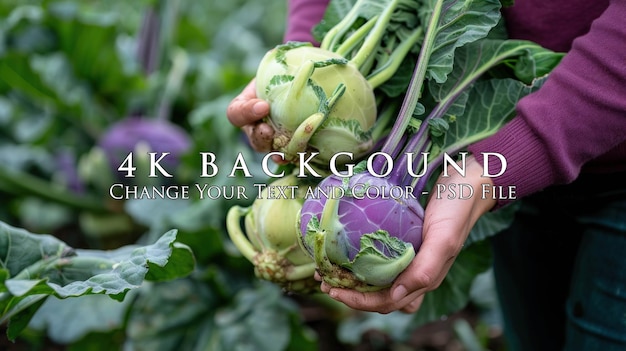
[
  {"x": 434, "y": 164},
  {"x": 414, "y": 91},
  {"x": 393, "y": 141},
  {"x": 148, "y": 41},
  {"x": 418, "y": 143}
]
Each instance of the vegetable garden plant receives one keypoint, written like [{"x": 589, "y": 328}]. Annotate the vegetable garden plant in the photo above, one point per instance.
[
  {"x": 464, "y": 86},
  {"x": 81, "y": 270}
]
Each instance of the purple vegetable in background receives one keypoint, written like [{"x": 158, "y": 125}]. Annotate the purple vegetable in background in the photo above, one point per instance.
[
  {"x": 66, "y": 168},
  {"x": 159, "y": 135}
]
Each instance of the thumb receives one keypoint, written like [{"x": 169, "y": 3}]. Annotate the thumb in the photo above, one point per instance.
[
  {"x": 406, "y": 299},
  {"x": 398, "y": 291}
]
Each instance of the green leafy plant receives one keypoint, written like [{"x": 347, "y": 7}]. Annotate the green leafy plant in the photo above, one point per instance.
[{"x": 35, "y": 267}]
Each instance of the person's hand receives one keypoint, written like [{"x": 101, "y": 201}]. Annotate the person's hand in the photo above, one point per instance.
[
  {"x": 447, "y": 224},
  {"x": 247, "y": 112}
]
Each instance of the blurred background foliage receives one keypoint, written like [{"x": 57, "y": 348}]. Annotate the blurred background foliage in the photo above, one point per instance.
[{"x": 69, "y": 72}]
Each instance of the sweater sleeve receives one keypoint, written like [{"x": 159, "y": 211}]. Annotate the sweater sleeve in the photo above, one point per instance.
[
  {"x": 578, "y": 115},
  {"x": 302, "y": 16}
]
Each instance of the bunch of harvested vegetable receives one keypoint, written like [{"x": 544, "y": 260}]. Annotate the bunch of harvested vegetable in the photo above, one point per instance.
[
  {"x": 363, "y": 242},
  {"x": 322, "y": 99},
  {"x": 322, "y": 102},
  {"x": 464, "y": 87}
]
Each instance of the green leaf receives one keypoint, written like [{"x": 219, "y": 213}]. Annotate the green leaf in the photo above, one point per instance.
[
  {"x": 89, "y": 313},
  {"x": 490, "y": 105},
  {"x": 492, "y": 223},
  {"x": 538, "y": 62},
  {"x": 87, "y": 45},
  {"x": 381, "y": 258},
  {"x": 179, "y": 263},
  {"x": 240, "y": 326},
  {"x": 37, "y": 266},
  {"x": 448, "y": 25},
  {"x": 19, "y": 248},
  {"x": 461, "y": 22},
  {"x": 454, "y": 292},
  {"x": 478, "y": 107},
  {"x": 172, "y": 315},
  {"x": 472, "y": 61},
  {"x": 17, "y": 74},
  {"x": 22, "y": 312}
]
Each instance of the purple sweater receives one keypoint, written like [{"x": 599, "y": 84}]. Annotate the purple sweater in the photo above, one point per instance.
[{"x": 576, "y": 122}]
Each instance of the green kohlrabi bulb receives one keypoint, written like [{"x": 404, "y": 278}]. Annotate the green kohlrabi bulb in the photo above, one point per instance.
[
  {"x": 319, "y": 102},
  {"x": 271, "y": 239}
]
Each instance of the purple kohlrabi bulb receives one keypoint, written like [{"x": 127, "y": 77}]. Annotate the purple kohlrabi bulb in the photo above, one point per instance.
[{"x": 368, "y": 204}]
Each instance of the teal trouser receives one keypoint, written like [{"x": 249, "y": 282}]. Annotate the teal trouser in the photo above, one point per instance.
[{"x": 561, "y": 268}]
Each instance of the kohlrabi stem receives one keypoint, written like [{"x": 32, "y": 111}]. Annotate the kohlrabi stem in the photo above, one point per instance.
[
  {"x": 356, "y": 37},
  {"x": 326, "y": 228},
  {"x": 303, "y": 133},
  {"x": 148, "y": 50},
  {"x": 300, "y": 80},
  {"x": 305, "y": 71},
  {"x": 373, "y": 39},
  {"x": 383, "y": 120},
  {"x": 330, "y": 102},
  {"x": 334, "y": 35},
  {"x": 300, "y": 272},
  {"x": 180, "y": 64},
  {"x": 415, "y": 86},
  {"x": 420, "y": 142},
  {"x": 420, "y": 183},
  {"x": 332, "y": 227},
  {"x": 300, "y": 138},
  {"x": 233, "y": 227},
  {"x": 389, "y": 68},
  {"x": 327, "y": 249},
  {"x": 400, "y": 173}
]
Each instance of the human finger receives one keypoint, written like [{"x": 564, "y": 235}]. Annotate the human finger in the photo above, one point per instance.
[
  {"x": 371, "y": 301},
  {"x": 414, "y": 305},
  {"x": 247, "y": 108}
]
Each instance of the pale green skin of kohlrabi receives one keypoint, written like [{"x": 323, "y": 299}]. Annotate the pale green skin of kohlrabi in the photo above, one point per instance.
[
  {"x": 272, "y": 238},
  {"x": 345, "y": 128}
]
